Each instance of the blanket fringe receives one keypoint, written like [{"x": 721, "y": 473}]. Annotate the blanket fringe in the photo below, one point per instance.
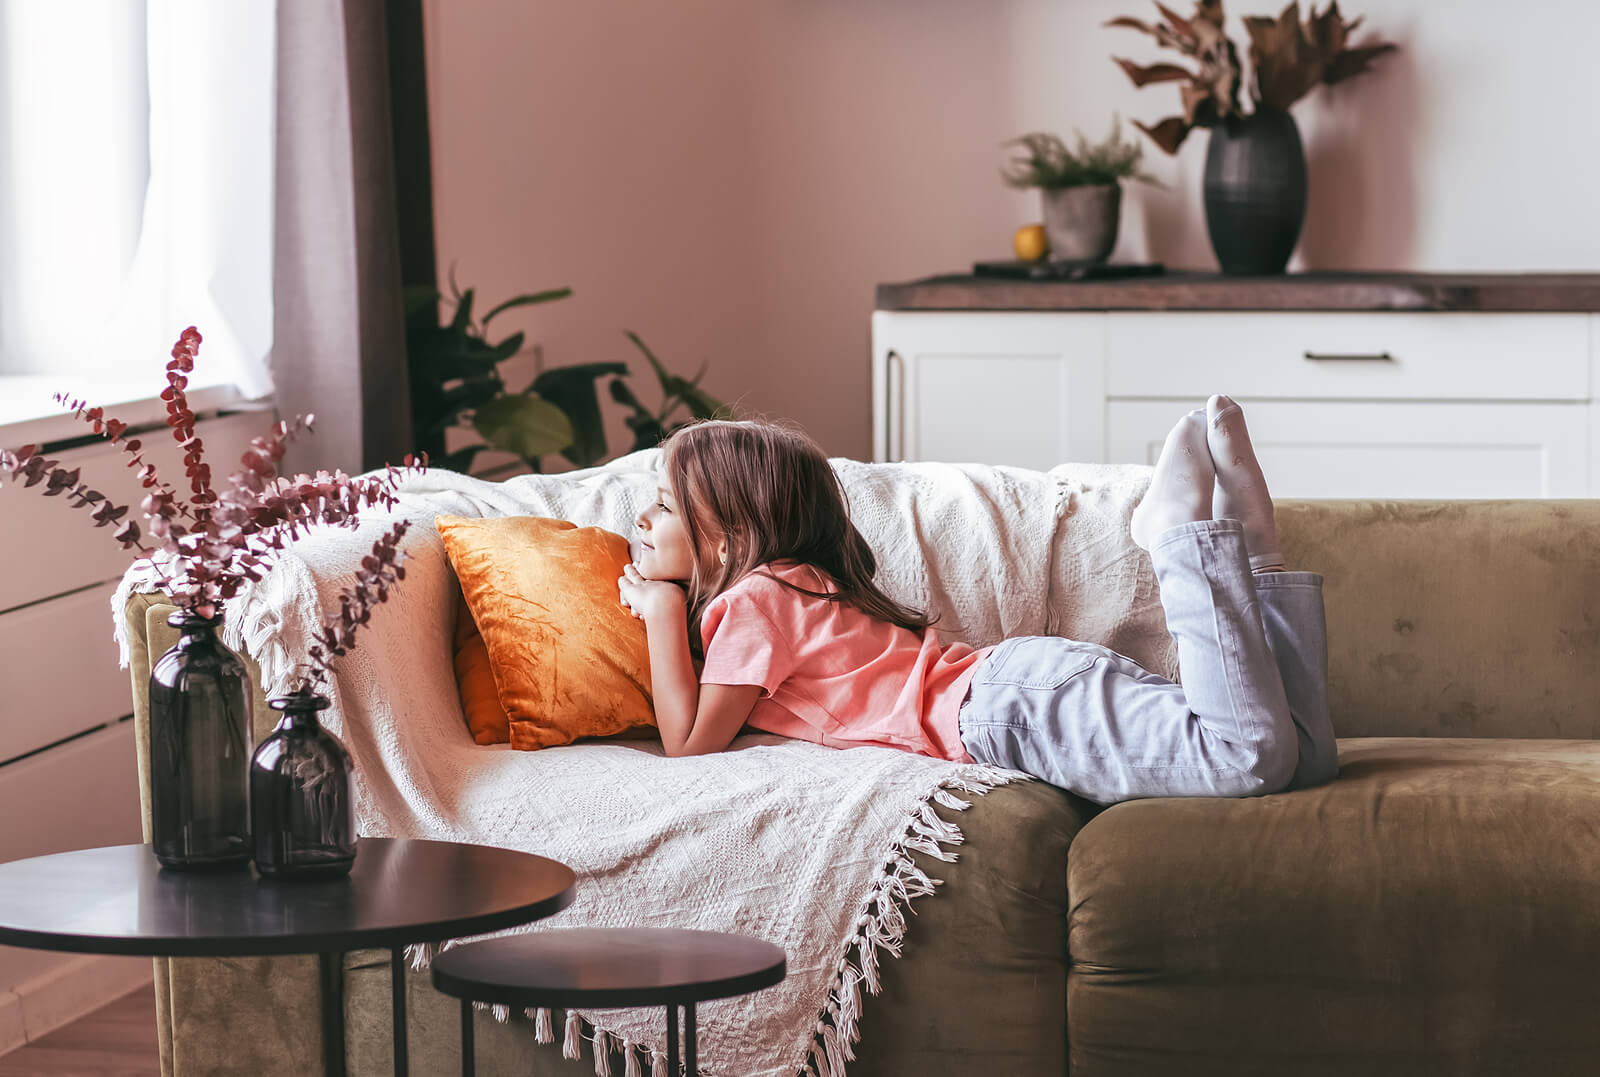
[
  {"x": 881, "y": 924},
  {"x": 571, "y": 1044},
  {"x": 543, "y": 1032},
  {"x": 421, "y": 955}
]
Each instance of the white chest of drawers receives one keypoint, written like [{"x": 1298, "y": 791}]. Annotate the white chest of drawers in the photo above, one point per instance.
[
  {"x": 1398, "y": 392},
  {"x": 68, "y": 766}
]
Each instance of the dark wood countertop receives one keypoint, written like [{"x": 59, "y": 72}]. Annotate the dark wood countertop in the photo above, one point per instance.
[{"x": 1182, "y": 290}]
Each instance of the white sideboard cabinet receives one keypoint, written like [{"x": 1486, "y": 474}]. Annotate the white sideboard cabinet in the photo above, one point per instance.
[{"x": 1355, "y": 385}]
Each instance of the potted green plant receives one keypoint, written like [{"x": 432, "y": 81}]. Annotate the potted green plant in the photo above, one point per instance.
[
  {"x": 1080, "y": 189},
  {"x": 455, "y": 378},
  {"x": 1255, "y": 177}
]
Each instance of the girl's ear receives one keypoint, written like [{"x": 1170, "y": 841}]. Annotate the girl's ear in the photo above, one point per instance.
[{"x": 722, "y": 551}]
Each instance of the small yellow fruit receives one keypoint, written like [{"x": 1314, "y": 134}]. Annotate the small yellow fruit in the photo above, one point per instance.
[{"x": 1030, "y": 242}]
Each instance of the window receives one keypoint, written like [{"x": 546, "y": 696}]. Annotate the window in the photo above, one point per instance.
[{"x": 136, "y": 163}]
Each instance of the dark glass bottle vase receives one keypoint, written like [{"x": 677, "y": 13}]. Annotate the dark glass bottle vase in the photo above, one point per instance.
[
  {"x": 1255, "y": 192},
  {"x": 199, "y": 750},
  {"x": 300, "y": 795}
]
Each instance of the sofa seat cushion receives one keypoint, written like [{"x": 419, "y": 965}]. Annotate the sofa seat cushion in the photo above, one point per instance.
[{"x": 1434, "y": 910}]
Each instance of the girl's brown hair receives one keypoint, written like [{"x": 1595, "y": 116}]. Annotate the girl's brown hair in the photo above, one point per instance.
[{"x": 770, "y": 493}]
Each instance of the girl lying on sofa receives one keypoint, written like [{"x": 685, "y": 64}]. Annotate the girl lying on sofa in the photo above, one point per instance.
[{"x": 798, "y": 641}]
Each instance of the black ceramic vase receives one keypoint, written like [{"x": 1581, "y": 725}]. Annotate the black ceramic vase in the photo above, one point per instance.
[
  {"x": 300, "y": 795},
  {"x": 199, "y": 750},
  {"x": 1255, "y": 191}
]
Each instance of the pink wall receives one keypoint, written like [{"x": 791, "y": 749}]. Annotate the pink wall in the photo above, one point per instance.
[{"x": 731, "y": 179}]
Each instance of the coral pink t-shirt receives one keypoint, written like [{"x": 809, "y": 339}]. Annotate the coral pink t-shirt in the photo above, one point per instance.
[{"x": 832, "y": 674}]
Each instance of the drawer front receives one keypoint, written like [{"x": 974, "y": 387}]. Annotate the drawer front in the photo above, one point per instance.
[
  {"x": 81, "y": 795},
  {"x": 58, "y": 663},
  {"x": 1026, "y": 390},
  {"x": 1390, "y": 449},
  {"x": 1349, "y": 356},
  {"x": 52, "y": 548}
]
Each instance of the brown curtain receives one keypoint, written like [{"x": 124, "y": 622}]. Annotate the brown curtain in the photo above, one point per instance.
[{"x": 339, "y": 321}]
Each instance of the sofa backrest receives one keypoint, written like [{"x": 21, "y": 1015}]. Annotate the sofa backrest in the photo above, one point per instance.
[{"x": 1456, "y": 618}]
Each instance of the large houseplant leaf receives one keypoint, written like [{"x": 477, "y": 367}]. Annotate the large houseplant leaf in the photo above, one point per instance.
[
  {"x": 443, "y": 354},
  {"x": 701, "y": 405},
  {"x": 524, "y": 425},
  {"x": 647, "y": 429},
  {"x": 547, "y": 296},
  {"x": 572, "y": 389}
]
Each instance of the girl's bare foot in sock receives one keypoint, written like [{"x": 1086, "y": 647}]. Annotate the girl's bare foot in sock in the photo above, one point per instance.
[
  {"x": 1180, "y": 489},
  {"x": 1241, "y": 491}
]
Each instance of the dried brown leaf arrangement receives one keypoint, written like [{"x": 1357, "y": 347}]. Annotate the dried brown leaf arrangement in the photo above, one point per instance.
[{"x": 1289, "y": 57}]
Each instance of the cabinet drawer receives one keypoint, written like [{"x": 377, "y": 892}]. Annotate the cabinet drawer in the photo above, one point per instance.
[
  {"x": 1021, "y": 389},
  {"x": 1390, "y": 449},
  {"x": 50, "y": 552},
  {"x": 58, "y": 663},
  {"x": 1349, "y": 356},
  {"x": 78, "y": 796}
]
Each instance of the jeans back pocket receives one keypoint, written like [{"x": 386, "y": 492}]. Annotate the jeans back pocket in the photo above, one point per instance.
[{"x": 1039, "y": 662}]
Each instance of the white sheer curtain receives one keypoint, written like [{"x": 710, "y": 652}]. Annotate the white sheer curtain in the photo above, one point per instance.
[{"x": 136, "y": 187}]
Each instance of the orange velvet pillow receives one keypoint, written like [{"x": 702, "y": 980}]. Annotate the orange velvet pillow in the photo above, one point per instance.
[
  {"x": 480, "y": 699},
  {"x": 568, "y": 660}
]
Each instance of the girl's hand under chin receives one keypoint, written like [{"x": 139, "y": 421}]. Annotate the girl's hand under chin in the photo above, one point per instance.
[{"x": 650, "y": 600}]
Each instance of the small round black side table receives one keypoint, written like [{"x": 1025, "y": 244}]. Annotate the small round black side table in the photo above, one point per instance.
[
  {"x": 606, "y": 968},
  {"x": 119, "y": 900}
]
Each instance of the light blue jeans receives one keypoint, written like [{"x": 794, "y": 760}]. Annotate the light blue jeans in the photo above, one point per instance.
[{"x": 1250, "y": 717}]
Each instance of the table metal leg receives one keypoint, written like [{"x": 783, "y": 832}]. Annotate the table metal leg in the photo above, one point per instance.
[
  {"x": 690, "y": 1053},
  {"x": 330, "y": 968},
  {"x": 397, "y": 989},
  {"x": 672, "y": 1040},
  {"x": 467, "y": 1060}
]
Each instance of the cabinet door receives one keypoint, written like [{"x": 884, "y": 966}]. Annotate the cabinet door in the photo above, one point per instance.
[
  {"x": 82, "y": 794},
  {"x": 1021, "y": 389},
  {"x": 1390, "y": 449},
  {"x": 59, "y": 665}
]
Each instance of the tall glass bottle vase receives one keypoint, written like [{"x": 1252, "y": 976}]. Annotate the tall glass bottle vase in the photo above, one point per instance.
[
  {"x": 300, "y": 795},
  {"x": 199, "y": 750}
]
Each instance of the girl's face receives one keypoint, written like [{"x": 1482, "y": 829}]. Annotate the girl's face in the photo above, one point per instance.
[{"x": 664, "y": 549}]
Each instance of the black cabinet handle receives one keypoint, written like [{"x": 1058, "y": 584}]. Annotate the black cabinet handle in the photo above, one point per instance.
[{"x": 1350, "y": 357}]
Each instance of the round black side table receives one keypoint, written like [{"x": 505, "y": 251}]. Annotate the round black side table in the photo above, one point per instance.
[
  {"x": 119, "y": 900},
  {"x": 608, "y": 968}
]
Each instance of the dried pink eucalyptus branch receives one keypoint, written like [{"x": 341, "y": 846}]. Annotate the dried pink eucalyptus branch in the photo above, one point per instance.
[
  {"x": 207, "y": 548},
  {"x": 380, "y": 570}
]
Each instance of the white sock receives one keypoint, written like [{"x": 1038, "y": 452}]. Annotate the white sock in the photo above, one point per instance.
[
  {"x": 1241, "y": 490},
  {"x": 1180, "y": 489}
]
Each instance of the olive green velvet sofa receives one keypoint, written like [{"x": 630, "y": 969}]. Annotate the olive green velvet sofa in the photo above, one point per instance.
[{"x": 1434, "y": 910}]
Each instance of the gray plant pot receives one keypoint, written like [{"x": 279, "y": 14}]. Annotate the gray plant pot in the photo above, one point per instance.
[{"x": 1082, "y": 221}]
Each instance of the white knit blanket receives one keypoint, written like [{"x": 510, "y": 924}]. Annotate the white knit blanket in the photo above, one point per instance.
[{"x": 800, "y": 845}]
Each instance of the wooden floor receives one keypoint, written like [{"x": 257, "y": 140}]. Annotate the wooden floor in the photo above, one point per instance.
[{"x": 118, "y": 1040}]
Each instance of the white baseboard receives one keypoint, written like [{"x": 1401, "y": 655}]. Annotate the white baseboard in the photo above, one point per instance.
[{"x": 75, "y": 986}]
